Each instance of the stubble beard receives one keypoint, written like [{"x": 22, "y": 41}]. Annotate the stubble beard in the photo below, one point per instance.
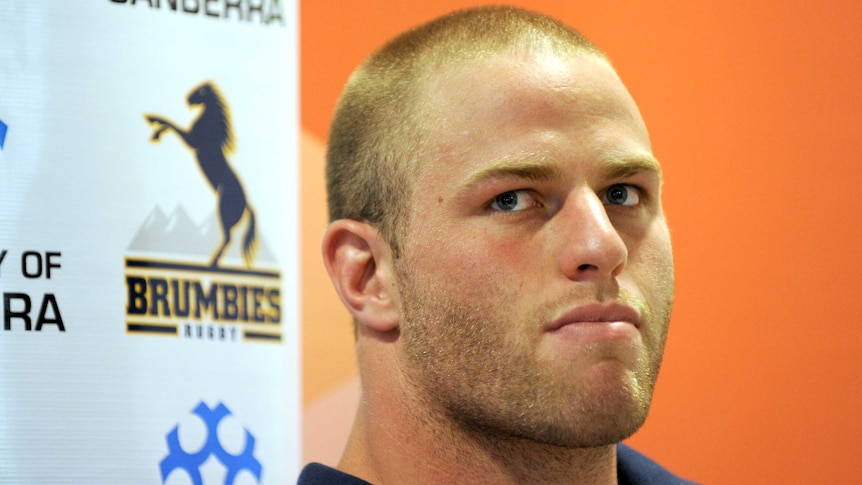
[{"x": 479, "y": 376}]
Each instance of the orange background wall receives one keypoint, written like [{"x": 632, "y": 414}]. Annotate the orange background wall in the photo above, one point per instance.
[{"x": 754, "y": 110}]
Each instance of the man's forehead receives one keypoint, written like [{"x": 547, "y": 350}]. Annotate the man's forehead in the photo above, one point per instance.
[
  {"x": 490, "y": 101},
  {"x": 521, "y": 79},
  {"x": 517, "y": 85}
]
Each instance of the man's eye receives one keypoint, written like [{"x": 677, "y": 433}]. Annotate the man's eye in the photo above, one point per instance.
[
  {"x": 513, "y": 200},
  {"x": 622, "y": 194}
]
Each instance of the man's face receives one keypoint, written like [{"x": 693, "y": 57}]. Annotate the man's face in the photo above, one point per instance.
[{"x": 536, "y": 279}]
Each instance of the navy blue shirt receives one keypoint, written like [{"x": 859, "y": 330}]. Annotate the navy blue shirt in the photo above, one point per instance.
[{"x": 633, "y": 468}]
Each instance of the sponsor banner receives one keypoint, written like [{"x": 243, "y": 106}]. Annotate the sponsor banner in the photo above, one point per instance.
[{"x": 148, "y": 242}]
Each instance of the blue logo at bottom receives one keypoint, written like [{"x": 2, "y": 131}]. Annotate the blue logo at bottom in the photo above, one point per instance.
[
  {"x": 3, "y": 129},
  {"x": 191, "y": 462}
]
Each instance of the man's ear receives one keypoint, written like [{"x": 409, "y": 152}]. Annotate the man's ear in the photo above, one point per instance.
[{"x": 359, "y": 262}]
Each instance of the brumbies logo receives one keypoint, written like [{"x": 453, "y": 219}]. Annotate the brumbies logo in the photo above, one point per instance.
[
  {"x": 211, "y": 139},
  {"x": 210, "y": 300}
]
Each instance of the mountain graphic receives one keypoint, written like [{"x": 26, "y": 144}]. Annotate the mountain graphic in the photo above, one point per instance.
[{"x": 179, "y": 234}]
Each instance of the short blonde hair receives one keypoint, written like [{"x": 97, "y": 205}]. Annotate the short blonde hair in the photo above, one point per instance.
[{"x": 380, "y": 122}]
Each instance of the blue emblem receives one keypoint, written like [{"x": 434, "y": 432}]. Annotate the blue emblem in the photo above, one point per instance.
[
  {"x": 191, "y": 462},
  {"x": 3, "y": 129}
]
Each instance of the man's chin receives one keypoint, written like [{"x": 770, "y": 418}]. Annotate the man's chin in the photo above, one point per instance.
[
  {"x": 595, "y": 418},
  {"x": 602, "y": 413}
]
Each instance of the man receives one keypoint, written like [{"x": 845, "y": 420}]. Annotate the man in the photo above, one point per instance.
[{"x": 498, "y": 235}]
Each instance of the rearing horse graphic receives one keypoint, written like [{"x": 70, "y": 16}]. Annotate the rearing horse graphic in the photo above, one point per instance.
[{"x": 211, "y": 139}]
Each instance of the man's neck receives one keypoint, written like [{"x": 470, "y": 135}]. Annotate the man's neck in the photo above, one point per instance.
[{"x": 395, "y": 440}]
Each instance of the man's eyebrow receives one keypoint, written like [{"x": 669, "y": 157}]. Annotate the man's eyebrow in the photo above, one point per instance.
[
  {"x": 627, "y": 167},
  {"x": 532, "y": 168}
]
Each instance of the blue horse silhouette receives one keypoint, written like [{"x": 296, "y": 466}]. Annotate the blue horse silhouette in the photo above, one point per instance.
[{"x": 211, "y": 139}]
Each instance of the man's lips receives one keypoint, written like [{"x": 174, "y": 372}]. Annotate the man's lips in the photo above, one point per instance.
[{"x": 596, "y": 313}]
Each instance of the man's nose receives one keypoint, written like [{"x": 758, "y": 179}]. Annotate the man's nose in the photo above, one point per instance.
[{"x": 590, "y": 246}]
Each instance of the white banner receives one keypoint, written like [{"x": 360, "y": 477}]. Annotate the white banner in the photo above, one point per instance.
[{"x": 149, "y": 242}]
